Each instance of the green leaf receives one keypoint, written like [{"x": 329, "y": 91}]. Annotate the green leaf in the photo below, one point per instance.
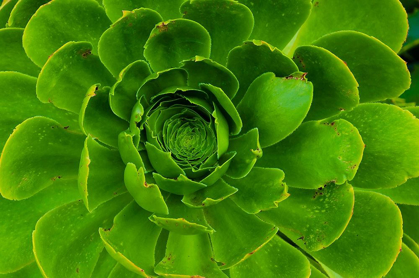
[
  {"x": 181, "y": 218},
  {"x": 163, "y": 162},
  {"x": 276, "y": 22},
  {"x": 261, "y": 189},
  {"x": 173, "y": 41},
  {"x": 5, "y": 8},
  {"x": 391, "y": 152},
  {"x": 254, "y": 58},
  {"x": 407, "y": 264},
  {"x": 66, "y": 241},
  {"x": 410, "y": 221},
  {"x": 119, "y": 271},
  {"x": 18, "y": 219},
  {"x": 228, "y": 22},
  {"x": 372, "y": 57},
  {"x": 334, "y": 90},
  {"x": 411, "y": 244},
  {"x": 30, "y": 270},
  {"x": 129, "y": 152},
  {"x": 237, "y": 234},
  {"x": 123, "y": 42},
  {"x": 169, "y": 9},
  {"x": 147, "y": 196},
  {"x": 316, "y": 273},
  {"x": 209, "y": 196},
  {"x": 316, "y": 217},
  {"x": 69, "y": 73},
  {"x": 98, "y": 120},
  {"x": 336, "y": 15},
  {"x": 203, "y": 70},
  {"x": 189, "y": 255},
  {"x": 220, "y": 170},
  {"x": 366, "y": 250},
  {"x": 308, "y": 166},
  {"x": 180, "y": 185},
  {"x": 13, "y": 56},
  {"x": 100, "y": 175},
  {"x": 18, "y": 102},
  {"x": 123, "y": 94},
  {"x": 84, "y": 20},
  {"x": 406, "y": 194},
  {"x": 104, "y": 265},
  {"x": 248, "y": 151},
  {"x": 276, "y": 259},
  {"x": 289, "y": 102},
  {"x": 23, "y": 11},
  {"x": 51, "y": 152},
  {"x": 132, "y": 239}
]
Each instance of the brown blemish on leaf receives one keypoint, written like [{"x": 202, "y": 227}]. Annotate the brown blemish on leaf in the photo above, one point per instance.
[
  {"x": 316, "y": 4},
  {"x": 163, "y": 27},
  {"x": 85, "y": 53},
  {"x": 66, "y": 127}
]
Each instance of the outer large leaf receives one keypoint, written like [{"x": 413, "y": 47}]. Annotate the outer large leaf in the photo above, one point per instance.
[
  {"x": 406, "y": 194},
  {"x": 410, "y": 221},
  {"x": 23, "y": 11},
  {"x": 5, "y": 9},
  {"x": 104, "y": 265},
  {"x": 51, "y": 152},
  {"x": 30, "y": 270},
  {"x": 406, "y": 265}
]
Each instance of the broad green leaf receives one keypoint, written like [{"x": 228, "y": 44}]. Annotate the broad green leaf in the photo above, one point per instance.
[
  {"x": 129, "y": 153},
  {"x": 189, "y": 255},
  {"x": 147, "y": 196},
  {"x": 391, "y": 154},
  {"x": 123, "y": 42},
  {"x": 169, "y": 9},
  {"x": 66, "y": 241},
  {"x": 23, "y": 11},
  {"x": 84, "y": 20},
  {"x": 410, "y": 221},
  {"x": 248, "y": 151},
  {"x": 276, "y": 259},
  {"x": 30, "y": 270},
  {"x": 5, "y": 8},
  {"x": 371, "y": 242},
  {"x": 261, "y": 189},
  {"x": 315, "y": 273},
  {"x": 372, "y": 57},
  {"x": 272, "y": 99},
  {"x": 101, "y": 174},
  {"x": 173, "y": 41},
  {"x": 69, "y": 73},
  {"x": 209, "y": 196},
  {"x": 18, "y": 219},
  {"x": 98, "y": 120},
  {"x": 406, "y": 194},
  {"x": 220, "y": 170},
  {"x": 222, "y": 131},
  {"x": 163, "y": 162},
  {"x": 335, "y": 87},
  {"x": 203, "y": 70},
  {"x": 119, "y": 271},
  {"x": 228, "y": 22},
  {"x": 104, "y": 265},
  {"x": 254, "y": 58},
  {"x": 132, "y": 240},
  {"x": 317, "y": 153},
  {"x": 13, "y": 56},
  {"x": 51, "y": 152},
  {"x": 316, "y": 217},
  {"x": 406, "y": 265},
  {"x": 237, "y": 234},
  {"x": 18, "y": 102},
  {"x": 122, "y": 96},
  {"x": 410, "y": 45},
  {"x": 411, "y": 244},
  {"x": 329, "y": 16}
]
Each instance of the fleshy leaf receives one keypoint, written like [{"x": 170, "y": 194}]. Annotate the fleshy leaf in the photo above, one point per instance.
[
  {"x": 13, "y": 56},
  {"x": 306, "y": 165},
  {"x": 181, "y": 185},
  {"x": 163, "y": 162},
  {"x": 19, "y": 219},
  {"x": 132, "y": 240},
  {"x": 23, "y": 11},
  {"x": 210, "y": 195},
  {"x": 220, "y": 170},
  {"x": 60, "y": 80},
  {"x": 410, "y": 221},
  {"x": 372, "y": 57},
  {"x": 228, "y": 22},
  {"x": 66, "y": 241},
  {"x": 391, "y": 146},
  {"x": 277, "y": 21},
  {"x": 316, "y": 217},
  {"x": 173, "y": 41},
  {"x": 261, "y": 189},
  {"x": 254, "y": 58},
  {"x": 119, "y": 271},
  {"x": 84, "y": 20},
  {"x": 351, "y": 255},
  {"x": 23, "y": 173},
  {"x": 147, "y": 196},
  {"x": 129, "y": 153},
  {"x": 123, "y": 42},
  {"x": 101, "y": 174},
  {"x": 329, "y": 16},
  {"x": 5, "y": 8},
  {"x": 30, "y": 270},
  {"x": 407, "y": 264},
  {"x": 276, "y": 259},
  {"x": 411, "y": 244},
  {"x": 104, "y": 265},
  {"x": 203, "y": 70},
  {"x": 334, "y": 90},
  {"x": 289, "y": 101},
  {"x": 248, "y": 151},
  {"x": 406, "y": 194},
  {"x": 237, "y": 234},
  {"x": 189, "y": 255}
]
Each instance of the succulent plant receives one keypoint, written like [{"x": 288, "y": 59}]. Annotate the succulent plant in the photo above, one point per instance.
[{"x": 206, "y": 138}]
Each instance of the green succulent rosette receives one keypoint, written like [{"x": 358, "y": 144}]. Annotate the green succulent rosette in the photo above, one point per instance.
[{"x": 211, "y": 138}]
